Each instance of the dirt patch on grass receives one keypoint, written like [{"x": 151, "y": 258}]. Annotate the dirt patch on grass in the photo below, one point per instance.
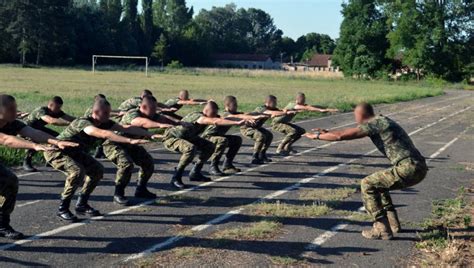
[
  {"x": 279, "y": 209},
  {"x": 327, "y": 194},
  {"x": 255, "y": 231}
]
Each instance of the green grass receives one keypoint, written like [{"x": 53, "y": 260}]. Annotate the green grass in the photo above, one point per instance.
[
  {"x": 279, "y": 209},
  {"x": 257, "y": 230},
  {"x": 34, "y": 86}
]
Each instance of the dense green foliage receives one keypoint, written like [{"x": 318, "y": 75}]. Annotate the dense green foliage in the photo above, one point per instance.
[
  {"x": 67, "y": 32},
  {"x": 432, "y": 37}
]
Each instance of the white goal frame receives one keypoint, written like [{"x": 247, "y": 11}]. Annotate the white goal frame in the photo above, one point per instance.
[{"x": 95, "y": 57}]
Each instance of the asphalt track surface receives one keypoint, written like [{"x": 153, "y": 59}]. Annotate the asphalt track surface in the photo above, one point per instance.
[{"x": 441, "y": 127}]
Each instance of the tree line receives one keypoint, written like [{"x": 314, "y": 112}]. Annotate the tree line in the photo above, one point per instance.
[
  {"x": 65, "y": 32},
  {"x": 431, "y": 37}
]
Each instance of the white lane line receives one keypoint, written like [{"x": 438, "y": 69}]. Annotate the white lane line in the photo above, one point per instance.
[
  {"x": 319, "y": 240},
  {"x": 76, "y": 225},
  {"x": 422, "y": 114},
  {"x": 28, "y": 203}
]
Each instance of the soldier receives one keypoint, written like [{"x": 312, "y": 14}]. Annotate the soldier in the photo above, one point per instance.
[
  {"x": 77, "y": 163},
  {"x": 99, "y": 150},
  {"x": 292, "y": 131},
  {"x": 280, "y": 122},
  {"x": 178, "y": 102},
  {"x": 185, "y": 139},
  {"x": 133, "y": 103},
  {"x": 9, "y": 128},
  {"x": 262, "y": 137},
  {"x": 51, "y": 114},
  {"x": 409, "y": 166},
  {"x": 124, "y": 156}
]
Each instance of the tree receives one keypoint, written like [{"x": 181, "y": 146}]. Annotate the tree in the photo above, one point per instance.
[
  {"x": 362, "y": 45},
  {"x": 160, "y": 50},
  {"x": 147, "y": 25}
]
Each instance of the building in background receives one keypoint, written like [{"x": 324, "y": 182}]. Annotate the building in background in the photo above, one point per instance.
[{"x": 244, "y": 61}]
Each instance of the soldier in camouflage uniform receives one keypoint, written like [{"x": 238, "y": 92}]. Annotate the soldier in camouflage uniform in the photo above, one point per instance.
[
  {"x": 10, "y": 127},
  {"x": 185, "y": 139},
  {"x": 99, "y": 149},
  {"x": 76, "y": 163},
  {"x": 42, "y": 116},
  {"x": 293, "y": 132},
  {"x": 178, "y": 102},
  {"x": 409, "y": 166},
  {"x": 133, "y": 103},
  {"x": 124, "y": 156},
  {"x": 262, "y": 137},
  {"x": 280, "y": 122}
]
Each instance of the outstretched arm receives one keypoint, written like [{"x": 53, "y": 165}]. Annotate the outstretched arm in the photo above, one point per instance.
[
  {"x": 311, "y": 108},
  {"x": 17, "y": 143},
  {"x": 219, "y": 121},
  {"x": 337, "y": 135},
  {"x": 55, "y": 121},
  {"x": 68, "y": 117},
  {"x": 43, "y": 137},
  {"x": 192, "y": 102},
  {"x": 110, "y": 135},
  {"x": 147, "y": 123}
]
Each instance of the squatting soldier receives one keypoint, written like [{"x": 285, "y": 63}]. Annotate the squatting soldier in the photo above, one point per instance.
[
  {"x": 178, "y": 102},
  {"x": 76, "y": 163},
  {"x": 185, "y": 139},
  {"x": 124, "y": 156},
  {"x": 99, "y": 150},
  {"x": 409, "y": 166},
  {"x": 51, "y": 114},
  {"x": 292, "y": 131},
  {"x": 262, "y": 137},
  {"x": 133, "y": 103},
  {"x": 280, "y": 123},
  {"x": 9, "y": 128}
]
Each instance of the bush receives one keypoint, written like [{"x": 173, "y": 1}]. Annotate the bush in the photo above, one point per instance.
[{"x": 174, "y": 64}]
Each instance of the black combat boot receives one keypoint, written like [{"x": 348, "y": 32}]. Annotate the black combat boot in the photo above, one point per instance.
[
  {"x": 214, "y": 170},
  {"x": 64, "y": 213},
  {"x": 142, "y": 191},
  {"x": 196, "y": 175},
  {"x": 6, "y": 230},
  {"x": 27, "y": 165},
  {"x": 99, "y": 152},
  {"x": 264, "y": 157},
  {"x": 229, "y": 167},
  {"x": 82, "y": 207},
  {"x": 256, "y": 159},
  {"x": 119, "y": 195},
  {"x": 176, "y": 180}
]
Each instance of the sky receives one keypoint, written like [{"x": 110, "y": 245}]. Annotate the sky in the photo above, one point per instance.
[{"x": 294, "y": 17}]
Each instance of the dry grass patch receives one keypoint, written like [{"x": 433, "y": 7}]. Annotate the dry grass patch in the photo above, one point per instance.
[
  {"x": 256, "y": 231},
  {"x": 279, "y": 209},
  {"x": 327, "y": 194}
]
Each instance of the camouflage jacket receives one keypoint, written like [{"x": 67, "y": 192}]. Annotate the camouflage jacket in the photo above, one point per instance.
[
  {"x": 75, "y": 132},
  {"x": 34, "y": 118}
]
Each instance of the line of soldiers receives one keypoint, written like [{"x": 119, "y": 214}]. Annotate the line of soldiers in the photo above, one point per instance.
[{"x": 203, "y": 134}]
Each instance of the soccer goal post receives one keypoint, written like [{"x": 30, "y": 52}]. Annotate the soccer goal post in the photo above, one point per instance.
[{"x": 95, "y": 57}]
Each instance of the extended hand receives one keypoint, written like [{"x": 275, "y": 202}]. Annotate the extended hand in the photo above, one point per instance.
[
  {"x": 65, "y": 144},
  {"x": 40, "y": 147},
  {"x": 138, "y": 141},
  {"x": 157, "y": 137},
  {"x": 310, "y": 136}
]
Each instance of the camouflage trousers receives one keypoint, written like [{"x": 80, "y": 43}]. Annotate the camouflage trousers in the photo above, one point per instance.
[
  {"x": 262, "y": 137},
  {"x": 124, "y": 156},
  {"x": 8, "y": 190},
  {"x": 188, "y": 149},
  {"x": 291, "y": 131},
  {"x": 221, "y": 143},
  {"x": 375, "y": 188},
  {"x": 79, "y": 167}
]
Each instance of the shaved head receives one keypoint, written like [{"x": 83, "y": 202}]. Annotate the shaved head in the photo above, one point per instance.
[
  {"x": 230, "y": 103},
  {"x": 211, "y": 109},
  {"x": 271, "y": 101},
  {"x": 183, "y": 95},
  {"x": 7, "y": 108},
  {"x": 101, "y": 110},
  {"x": 146, "y": 92},
  {"x": 363, "y": 111},
  {"x": 300, "y": 98},
  {"x": 148, "y": 106}
]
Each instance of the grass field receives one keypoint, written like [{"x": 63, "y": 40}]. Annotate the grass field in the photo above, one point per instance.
[{"x": 34, "y": 86}]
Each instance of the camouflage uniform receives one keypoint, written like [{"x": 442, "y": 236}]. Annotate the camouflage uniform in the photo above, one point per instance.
[
  {"x": 173, "y": 103},
  {"x": 76, "y": 163},
  {"x": 262, "y": 137},
  {"x": 8, "y": 180},
  {"x": 34, "y": 119},
  {"x": 409, "y": 167},
  {"x": 124, "y": 156},
  {"x": 186, "y": 140},
  {"x": 88, "y": 112},
  {"x": 130, "y": 104},
  {"x": 217, "y": 135}
]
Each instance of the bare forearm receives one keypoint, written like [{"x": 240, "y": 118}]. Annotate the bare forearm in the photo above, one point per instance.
[{"x": 17, "y": 143}]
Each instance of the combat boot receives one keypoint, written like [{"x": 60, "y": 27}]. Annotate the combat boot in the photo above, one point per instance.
[
  {"x": 82, "y": 207},
  {"x": 380, "y": 230},
  {"x": 6, "y": 230},
  {"x": 229, "y": 168},
  {"x": 256, "y": 159},
  {"x": 119, "y": 195},
  {"x": 196, "y": 175},
  {"x": 27, "y": 162},
  {"x": 176, "y": 180},
  {"x": 393, "y": 220},
  {"x": 281, "y": 150},
  {"x": 142, "y": 192},
  {"x": 64, "y": 213},
  {"x": 264, "y": 157},
  {"x": 99, "y": 152},
  {"x": 214, "y": 169}
]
